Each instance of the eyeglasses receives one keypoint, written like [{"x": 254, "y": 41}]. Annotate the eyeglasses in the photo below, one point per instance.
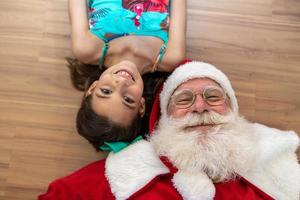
[{"x": 212, "y": 95}]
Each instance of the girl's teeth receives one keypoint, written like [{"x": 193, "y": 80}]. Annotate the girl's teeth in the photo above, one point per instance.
[{"x": 124, "y": 73}]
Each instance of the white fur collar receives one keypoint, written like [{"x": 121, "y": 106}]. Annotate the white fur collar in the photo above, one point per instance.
[
  {"x": 277, "y": 171},
  {"x": 194, "y": 186},
  {"x": 132, "y": 168},
  {"x": 136, "y": 165},
  {"x": 273, "y": 142}
]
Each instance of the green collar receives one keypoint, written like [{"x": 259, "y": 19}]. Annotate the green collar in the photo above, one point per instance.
[{"x": 117, "y": 146}]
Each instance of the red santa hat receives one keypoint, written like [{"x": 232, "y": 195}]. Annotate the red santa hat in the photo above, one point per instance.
[
  {"x": 192, "y": 70},
  {"x": 184, "y": 72}
]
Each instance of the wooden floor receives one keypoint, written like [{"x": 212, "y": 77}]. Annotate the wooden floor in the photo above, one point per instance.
[{"x": 257, "y": 43}]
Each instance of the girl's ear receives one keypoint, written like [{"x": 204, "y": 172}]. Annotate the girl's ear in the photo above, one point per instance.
[
  {"x": 91, "y": 88},
  {"x": 142, "y": 108}
]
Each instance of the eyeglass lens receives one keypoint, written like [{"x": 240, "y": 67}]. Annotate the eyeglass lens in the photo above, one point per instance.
[{"x": 212, "y": 95}]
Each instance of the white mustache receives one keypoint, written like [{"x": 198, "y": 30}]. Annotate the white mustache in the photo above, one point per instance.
[{"x": 211, "y": 117}]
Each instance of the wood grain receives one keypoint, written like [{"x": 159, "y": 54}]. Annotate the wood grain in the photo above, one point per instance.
[{"x": 256, "y": 43}]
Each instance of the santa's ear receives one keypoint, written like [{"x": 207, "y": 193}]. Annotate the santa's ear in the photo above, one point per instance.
[{"x": 91, "y": 89}]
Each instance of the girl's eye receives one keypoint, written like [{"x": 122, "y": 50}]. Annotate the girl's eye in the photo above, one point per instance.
[
  {"x": 105, "y": 91},
  {"x": 128, "y": 100}
]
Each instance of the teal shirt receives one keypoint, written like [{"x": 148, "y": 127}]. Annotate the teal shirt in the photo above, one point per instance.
[
  {"x": 117, "y": 146},
  {"x": 109, "y": 19}
]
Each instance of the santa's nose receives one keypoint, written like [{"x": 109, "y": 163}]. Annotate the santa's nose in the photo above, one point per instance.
[{"x": 200, "y": 105}]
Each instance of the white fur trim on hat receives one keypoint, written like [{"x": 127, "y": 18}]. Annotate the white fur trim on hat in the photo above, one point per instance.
[{"x": 192, "y": 70}]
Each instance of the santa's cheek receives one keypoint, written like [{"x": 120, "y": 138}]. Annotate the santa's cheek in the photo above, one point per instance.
[{"x": 178, "y": 113}]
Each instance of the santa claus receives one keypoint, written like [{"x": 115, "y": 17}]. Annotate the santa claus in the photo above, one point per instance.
[{"x": 201, "y": 148}]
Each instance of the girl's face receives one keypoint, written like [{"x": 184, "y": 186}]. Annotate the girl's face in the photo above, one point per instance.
[{"x": 117, "y": 94}]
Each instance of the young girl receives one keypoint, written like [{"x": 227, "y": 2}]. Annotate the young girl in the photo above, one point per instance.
[{"x": 127, "y": 39}]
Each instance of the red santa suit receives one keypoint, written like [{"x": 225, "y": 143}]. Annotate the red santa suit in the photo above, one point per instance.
[{"x": 138, "y": 173}]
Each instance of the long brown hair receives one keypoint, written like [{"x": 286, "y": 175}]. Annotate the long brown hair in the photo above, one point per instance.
[
  {"x": 99, "y": 129},
  {"x": 83, "y": 75}
]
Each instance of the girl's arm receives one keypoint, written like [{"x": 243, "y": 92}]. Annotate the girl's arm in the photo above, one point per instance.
[
  {"x": 85, "y": 46},
  {"x": 175, "y": 52}
]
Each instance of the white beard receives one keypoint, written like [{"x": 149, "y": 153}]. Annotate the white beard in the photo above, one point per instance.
[{"x": 222, "y": 152}]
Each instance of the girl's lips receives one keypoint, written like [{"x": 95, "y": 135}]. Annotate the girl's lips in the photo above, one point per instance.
[
  {"x": 128, "y": 70},
  {"x": 125, "y": 74}
]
